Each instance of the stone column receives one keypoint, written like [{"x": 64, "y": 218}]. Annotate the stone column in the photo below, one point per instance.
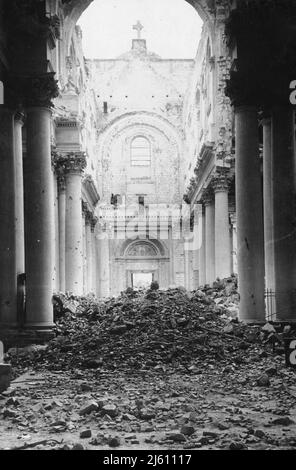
[
  {"x": 186, "y": 268},
  {"x": 89, "y": 258},
  {"x": 233, "y": 242},
  {"x": 39, "y": 205},
  {"x": 284, "y": 223},
  {"x": 8, "y": 215},
  {"x": 94, "y": 278},
  {"x": 222, "y": 239},
  {"x": 172, "y": 256},
  {"x": 56, "y": 283},
  {"x": 208, "y": 198},
  {"x": 74, "y": 240},
  {"x": 268, "y": 212},
  {"x": 19, "y": 217},
  {"x": 195, "y": 251},
  {"x": 19, "y": 194},
  {"x": 202, "y": 252},
  {"x": 104, "y": 267},
  {"x": 84, "y": 211},
  {"x": 250, "y": 238},
  {"x": 62, "y": 231}
]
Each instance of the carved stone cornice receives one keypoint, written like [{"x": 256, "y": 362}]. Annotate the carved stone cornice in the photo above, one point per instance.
[{"x": 220, "y": 183}]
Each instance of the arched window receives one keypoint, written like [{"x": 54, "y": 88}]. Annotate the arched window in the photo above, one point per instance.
[{"x": 140, "y": 152}]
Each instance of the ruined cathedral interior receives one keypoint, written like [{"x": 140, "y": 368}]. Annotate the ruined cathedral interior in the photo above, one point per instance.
[{"x": 123, "y": 173}]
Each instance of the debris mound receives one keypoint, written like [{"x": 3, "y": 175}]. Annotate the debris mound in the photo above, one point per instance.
[{"x": 142, "y": 330}]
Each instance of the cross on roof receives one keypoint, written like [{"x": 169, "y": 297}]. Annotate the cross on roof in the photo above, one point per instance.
[{"x": 138, "y": 27}]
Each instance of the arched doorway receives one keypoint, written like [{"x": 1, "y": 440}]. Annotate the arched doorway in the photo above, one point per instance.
[{"x": 139, "y": 262}]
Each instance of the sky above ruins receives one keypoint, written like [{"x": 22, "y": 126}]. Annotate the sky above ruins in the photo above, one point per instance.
[{"x": 172, "y": 27}]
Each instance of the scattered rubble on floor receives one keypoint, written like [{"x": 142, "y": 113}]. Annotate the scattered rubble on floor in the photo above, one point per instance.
[{"x": 157, "y": 369}]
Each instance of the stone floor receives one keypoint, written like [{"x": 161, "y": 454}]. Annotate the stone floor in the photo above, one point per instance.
[{"x": 213, "y": 409}]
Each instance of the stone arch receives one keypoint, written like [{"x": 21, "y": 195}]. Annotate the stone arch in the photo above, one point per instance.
[
  {"x": 149, "y": 119},
  {"x": 73, "y": 9},
  {"x": 159, "y": 247}
]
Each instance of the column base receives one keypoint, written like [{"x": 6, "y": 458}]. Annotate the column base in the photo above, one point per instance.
[
  {"x": 254, "y": 322},
  {"x": 5, "y": 377},
  {"x": 25, "y": 337}
]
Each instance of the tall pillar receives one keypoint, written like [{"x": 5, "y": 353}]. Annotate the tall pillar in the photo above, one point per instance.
[
  {"x": 89, "y": 258},
  {"x": 19, "y": 193},
  {"x": 62, "y": 231},
  {"x": 94, "y": 278},
  {"x": 74, "y": 240},
  {"x": 233, "y": 243},
  {"x": 209, "y": 236},
  {"x": 84, "y": 211},
  {"x": 186, "y": 267},
  {"x": 19, "y": 216},
  {"x": 250, "y": 238},
  {"x": 172, "y": 256},
  {"x": 39, "y": 205},
  {"x": 284, "y": 227},
  {"x": 104, "y": 267},
  {"x": 8, "y": 215},
  {"x": 56, "y": 283},
  {"x": 202, "y": 254},
  {"x": 222, "y": 238},
  {"x": 268, "y": 213}
]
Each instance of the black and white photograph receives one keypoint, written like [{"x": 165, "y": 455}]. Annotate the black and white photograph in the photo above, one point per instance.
[{"x": 147, "y": 228}]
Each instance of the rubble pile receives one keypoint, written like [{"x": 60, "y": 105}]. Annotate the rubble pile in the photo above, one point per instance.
[
  {"x": 143, "y": 330},
  {"x": 151, "y": 369}
]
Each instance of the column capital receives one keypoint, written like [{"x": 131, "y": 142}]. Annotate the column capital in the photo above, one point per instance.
[
  {"x": 87, "y": 213},
  {"x": 94, "y": 223},
  {"x": 85, "y": 208},
  {"x": 74, "y": 162},
  {"x": 233, "y": 218},
  {"x": 266, "y": 121},
  {"x": 40, "y": 90},
  {"x": 208, "y": 196},
  {"x": 220, "y": 183},
  {"x": 61, "y": 183},
  {"x": 55, "y": 161},
  {"x": 32, "y": 91},
  {"x": 88, "y": 217},
  {"x": 20, "y": 117}
]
